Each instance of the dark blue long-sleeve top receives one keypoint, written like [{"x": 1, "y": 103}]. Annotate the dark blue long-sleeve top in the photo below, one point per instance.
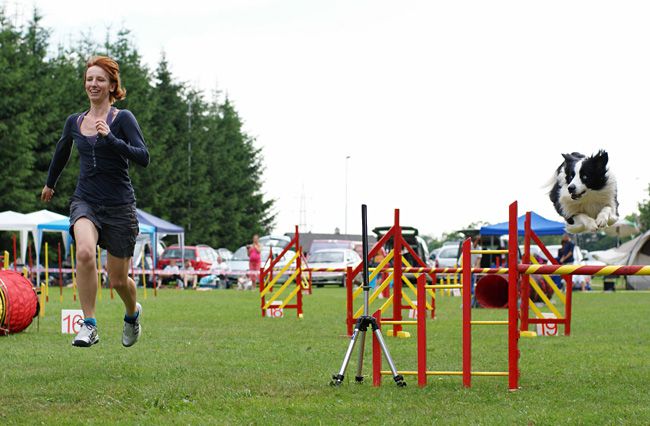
[{"x": 104, "y": 161}]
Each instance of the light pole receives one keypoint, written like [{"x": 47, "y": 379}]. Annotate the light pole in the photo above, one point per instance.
[
  {"x": 347, "y": 157},
  {"x": 189, "y": 164}
]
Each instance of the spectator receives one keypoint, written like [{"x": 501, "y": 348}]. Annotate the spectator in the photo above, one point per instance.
[
  {"x": 476, "y": 257},
  {"x": 476, "y": 263},
  {"x": 254, "y": 259},
  {"x": 217, "y": 275},
  {"x": 189, "y": 274},
  {"x": 565, "y": 253},
  {"x": 171, "y": 273}
]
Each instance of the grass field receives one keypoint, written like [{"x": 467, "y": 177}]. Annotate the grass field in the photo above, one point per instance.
[{"x": 209, "y": 358}]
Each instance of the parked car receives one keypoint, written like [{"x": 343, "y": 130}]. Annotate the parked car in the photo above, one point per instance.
[
  {"x": 202, "y": 257},
  {"x": 447, "y": 257},
  {"x": 432, "y": 256},
  {"x": 412, "y": 237},
  {"x": 280, "y": 241},
  {"x": 224, "y": 254},
  {"x": 332, "y": 258},
  {"x": 238, "y": 264},
  {"x": 318, "y": 245},
  {"x": 553, "y": 249}
]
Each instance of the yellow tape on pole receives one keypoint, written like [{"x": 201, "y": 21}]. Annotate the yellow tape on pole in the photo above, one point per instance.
[
  {"x": 489, "y": 251},
  {"x": 282, "y": 271},
  {"x": 551, "y": 283},
  {"x": 47, "y": 276},
  {"x": 412, "y": 287},
  {"x": 381, "y": 265},
  {"x": 409, "y": 284},
  {"x": 564, "y": 269},
  {"x": 376, "y": 271},
  {"x": 284, "y": 286},
  {"x": 376, "y": 294},
  {"x": 535, "y": 309},
  {"x": 291, "y": 296},
  {"x": 305, "y": 283},
  {"x": 417, "y": 275},
  {"x": 546, "y": 300},
  {"x": 357, "y": 292},
  {"x": 386, "y": 305},
  {"x": 408, "y": 300}
]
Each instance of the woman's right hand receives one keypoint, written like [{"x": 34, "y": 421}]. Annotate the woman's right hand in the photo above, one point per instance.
[{"x": 47, "y": 194}]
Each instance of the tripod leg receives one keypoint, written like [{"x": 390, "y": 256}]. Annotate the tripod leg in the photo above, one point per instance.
[
  {"x": 397, "y": 377},
  {"x": 359, "y": 376},
  {"x": 337, "y": 379}
]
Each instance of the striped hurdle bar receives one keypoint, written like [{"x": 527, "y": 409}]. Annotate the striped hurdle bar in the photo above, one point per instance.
[{"x": 594, "y": 270}]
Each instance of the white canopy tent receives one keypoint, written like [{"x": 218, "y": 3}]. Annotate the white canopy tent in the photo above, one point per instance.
[
  {"x": 26, "y": 223},
  {"x": 633, "y": 252},
  {"x": 37, "y": 218},
  {"x": 43, "y": 221},
  {"x": 15, "y": 222}
]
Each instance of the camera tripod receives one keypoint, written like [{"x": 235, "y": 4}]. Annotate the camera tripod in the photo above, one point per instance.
[{"x": 365, "y": 321}]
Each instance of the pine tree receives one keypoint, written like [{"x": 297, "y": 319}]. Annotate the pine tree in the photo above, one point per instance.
[
  {"x": 49, "y": 110},
  {"x": 17, "y": 135},
  {"x": 212, "y": 189},
  {"x": 238, "y": 181}
]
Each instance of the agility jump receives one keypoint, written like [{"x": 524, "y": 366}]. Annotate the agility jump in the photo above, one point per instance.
[
  {"x": 492, "y": 292},
  {"x": 268, "y": 281}
]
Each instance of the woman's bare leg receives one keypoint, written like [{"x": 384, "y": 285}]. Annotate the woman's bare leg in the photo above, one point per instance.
[
  {"x": 86, "y": 236},
  {"x": 118, "y": 275}
]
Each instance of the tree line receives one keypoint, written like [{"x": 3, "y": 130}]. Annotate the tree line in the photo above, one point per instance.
[{"x": 205, "y": 172}]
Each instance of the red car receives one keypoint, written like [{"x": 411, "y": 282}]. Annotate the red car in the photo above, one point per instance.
[{"x": 201, "y": 257}]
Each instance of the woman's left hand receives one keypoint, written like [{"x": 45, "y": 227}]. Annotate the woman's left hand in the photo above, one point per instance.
[{"x": 102, "y": 127}]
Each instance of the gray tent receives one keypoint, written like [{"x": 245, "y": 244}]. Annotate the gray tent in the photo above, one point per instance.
[{"x": 633, "y": 252}]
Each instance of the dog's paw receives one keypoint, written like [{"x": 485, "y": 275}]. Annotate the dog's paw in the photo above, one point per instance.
[
  {"x": 612, "y": 219},
  {"x": 591, "y": 225},
  {"x": 604, "y": 220},
  {"x": 576, "y": 228}
]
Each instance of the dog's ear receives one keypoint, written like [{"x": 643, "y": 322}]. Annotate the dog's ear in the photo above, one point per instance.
[
  {"x": 601, "y": 157},
  {"x": 567, "y": 157}
]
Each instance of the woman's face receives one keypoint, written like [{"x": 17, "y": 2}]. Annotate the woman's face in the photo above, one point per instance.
[
  {"x": 98, "y": 84},
  {"x": 256, "y": 238}
]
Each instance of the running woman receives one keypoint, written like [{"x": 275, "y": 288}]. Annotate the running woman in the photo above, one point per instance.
[{"x": 102, "y": 208}]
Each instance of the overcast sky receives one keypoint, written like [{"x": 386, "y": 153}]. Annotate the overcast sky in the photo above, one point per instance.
[{"x": 448, "y": 111}]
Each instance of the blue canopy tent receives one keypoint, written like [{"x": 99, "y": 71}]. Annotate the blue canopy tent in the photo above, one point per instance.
[
  {"x": 162, "y": 228},
  {"x": 539, "y": 224}
]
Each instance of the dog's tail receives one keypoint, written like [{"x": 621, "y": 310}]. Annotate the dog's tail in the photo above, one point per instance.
[{"x": 548, "y": 185}]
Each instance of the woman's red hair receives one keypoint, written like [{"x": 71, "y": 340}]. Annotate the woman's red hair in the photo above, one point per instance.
[{"x": 113, "y": 70}]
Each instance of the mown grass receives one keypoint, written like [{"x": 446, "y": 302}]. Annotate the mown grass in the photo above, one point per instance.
[{"x": 209, "y": 358}]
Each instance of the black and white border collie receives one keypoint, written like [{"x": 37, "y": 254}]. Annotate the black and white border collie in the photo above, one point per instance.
[{"x": 584, "y": 192}]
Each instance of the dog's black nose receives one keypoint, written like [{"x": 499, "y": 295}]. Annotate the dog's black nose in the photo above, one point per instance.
[{"x": 572, "y": 189}]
